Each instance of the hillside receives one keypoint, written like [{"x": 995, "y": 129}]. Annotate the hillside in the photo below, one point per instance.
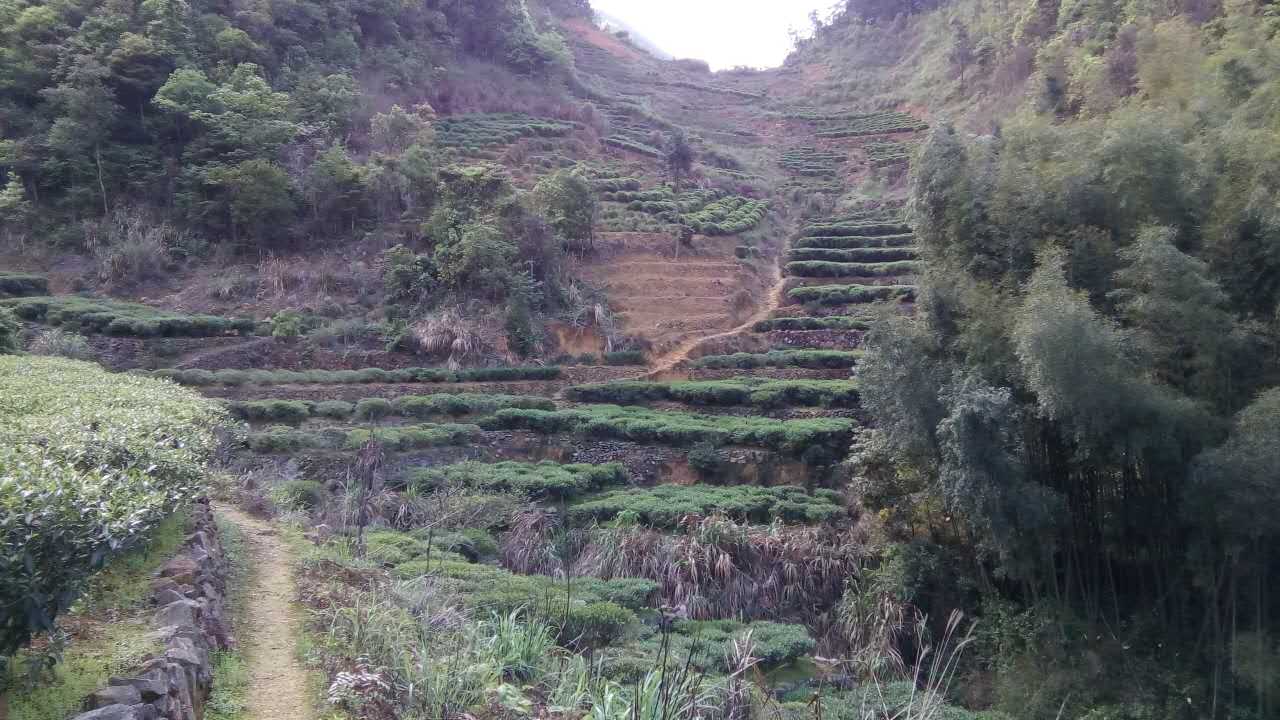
[{"x": 930, "y": 375}]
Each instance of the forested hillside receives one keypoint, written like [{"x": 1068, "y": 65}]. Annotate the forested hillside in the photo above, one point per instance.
[
  {"x": 933, "y": 375},
  {"x": 1087, "y": 391}
]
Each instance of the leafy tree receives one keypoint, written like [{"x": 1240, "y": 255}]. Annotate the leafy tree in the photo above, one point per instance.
[
  {"x": 259, "y": 196},
  {"x": 679, "y": 157},
  {"x": 568, "y": 202},
  {"x": 334, "y": 188}
]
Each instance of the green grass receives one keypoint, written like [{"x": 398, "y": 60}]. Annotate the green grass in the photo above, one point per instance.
[
  {"x": 665, "y": 505},
  {"x": 811, "y": 359},
  {"x": 201, "y": 378},
  {"x": 853, "y": 242},
  {"x": 853, "y": 255},
  {"x": 293, "y": 412},
  {"x": 851, "y": 294},
  {"x": 762, "y": 393},
  {"x": 15, "y": 284},
  {"x": 399, "y": 438},
  {"x": 792, "y": 437},
  {"x": 228, "y": 699},
  {"x": 111, "y": 317},
  {"x": 822, "y": 268},
  {"x": 535, "y": 481},
  {"x": 839, "y": 322}
]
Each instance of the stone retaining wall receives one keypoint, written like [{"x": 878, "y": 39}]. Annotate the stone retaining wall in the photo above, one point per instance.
[{"x": 190, "y": 622}]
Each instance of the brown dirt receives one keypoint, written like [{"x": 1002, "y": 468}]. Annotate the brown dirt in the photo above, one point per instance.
[{"x": 277, "y": 681}]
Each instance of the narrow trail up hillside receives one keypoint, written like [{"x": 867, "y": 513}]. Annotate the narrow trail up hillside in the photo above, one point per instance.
[
  {"x": 277, "y": 682},
  {"x": 664, "y": 368}
]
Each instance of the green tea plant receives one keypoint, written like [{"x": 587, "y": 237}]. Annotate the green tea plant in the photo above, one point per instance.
[
  {"x": 824, "y": 268},
  {"x": 812, "y": 359},
  {"x": 293, "y": 412},
  {"x": 487, "y": 129},
  {"x": 536, "y": 481},
  {"x": 863, "y": 255},
  {"x": 398, "y": 438},
  {"x": 810, "y": 161},
  {"x": 851, "y": 242},
  {"x": 878, "y": 123},
  {"x": 848, "y": 229},
  {"x": 757, "y": 392},
  {"x": 362, "y": 376},
  {"x": 838, "y": 322},
  {"x": 111, "y": 317},
  {"x": 792, "y": 437},
  {"x": 884, "y": 154},
  {"x": 666, "y": 505},
  {"x": 852, "y": 294},
  {"x": 15, "y": 284},
  {"x": 90, "y": 463}
]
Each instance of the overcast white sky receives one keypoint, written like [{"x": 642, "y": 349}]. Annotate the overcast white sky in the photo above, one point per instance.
[{"x": 725, "y": 33}]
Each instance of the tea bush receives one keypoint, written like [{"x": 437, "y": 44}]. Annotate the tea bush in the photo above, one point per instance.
[
  {"x": 15, "y": 284},
  {"x": 811, "y": 359},
  {"x": 852, "y": 242},
  {"x": 756, "y": 392},
  {"x": 400, "y": 438},
  {"x": 642, "y": 425},
  {"x": 809, "y": 161},
  {"x": 625, "y": 357},
  {"x": 363, "y": 376},
  {"x": 856, "y": 229},
  {"x": 838, "y": 322},
  {"x": 487, "y": 129},
  {"x": 623, "y": 142},
  {"x": 852, "y": 294},
  {"x": 884, "y": 154},
  {"x": 536, "y": 481},
  {"x": 111, "y": 317},
  {"x": 847, "y": 255},
  {"x": 879, "y": 123},
  {"x": 59, "y": 343},
  {"x": 90, "y": 463},
  {"x": 665, "y": 505},
  {"x": 727, "y": 216},
  {"x": 706, "y": 645},
  {"x": 822, "y": 268}
]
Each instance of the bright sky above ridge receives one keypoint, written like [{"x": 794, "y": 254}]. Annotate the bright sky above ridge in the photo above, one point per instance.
[{"x": 725, "y": 33}]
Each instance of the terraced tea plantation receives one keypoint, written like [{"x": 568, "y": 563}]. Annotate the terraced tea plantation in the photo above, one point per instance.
[
  {"x": 810, "y": 161},
  {"x": 482, "y": 130},
  {"x": 880, "y": 123}
]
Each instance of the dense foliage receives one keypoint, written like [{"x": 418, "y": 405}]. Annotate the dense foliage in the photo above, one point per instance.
[
  {"x": 90, "y": 463},
  {"x": 743, "y": 391},
  {"x": 668, "y": 505},
  {"x": 535, "y": 481},
  {"x": 292, "y": 412},
  {"x": 201, "y": 378}
]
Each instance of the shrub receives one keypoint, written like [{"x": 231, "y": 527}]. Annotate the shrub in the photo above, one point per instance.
[
  {"x": 286, "y": 325},
  {"x": 9, "y": 329},
  {"x": 811, "y": 359},
  {"x": 289, "y": 412},
  {"x": 757, "y": 392},
  {"x": 373, "y": 409},
  {"x": 852, "y": 242},
  {"x": 681, "y": 429},
  {"x": 14, "y": 284},
  {"x": 536, "y": 481},
  {"x": 365, "y": 376},
  {"x": 57, "y": 343},
  {"x": 852, "y": 294},
  {"x": 479, "y": 130},
  {"x": 335, "y": 409},
  {"x": 400, "y": 438},
  {"x": 664, "y": 505},
  {"x": 305, "y": 494},
  {"x": 784, "y": 324},
  {"x": 92, "y": 462},
  {"x": 706, "y": 459},
  {"x": 856, "y": 229},
  {"x": 624, "y": 357},
  {"x": 110, "y": 317},
  {"x": 878, "y": 123},
  {"x": 596, "y": 624},
  {"x": 848, "y": 255},
  {"x": 823, "y": 268}
]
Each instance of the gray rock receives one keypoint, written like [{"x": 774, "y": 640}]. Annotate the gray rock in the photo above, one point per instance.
[
  {"x": 113, "y": 695},
  {"x": 182, "y": 569},
  {"x": 151, "y": 686},
  {"x": 166, "y": 596},
  {"x": 117, "y": 712},
  {"x": 180, "y": 613}
]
